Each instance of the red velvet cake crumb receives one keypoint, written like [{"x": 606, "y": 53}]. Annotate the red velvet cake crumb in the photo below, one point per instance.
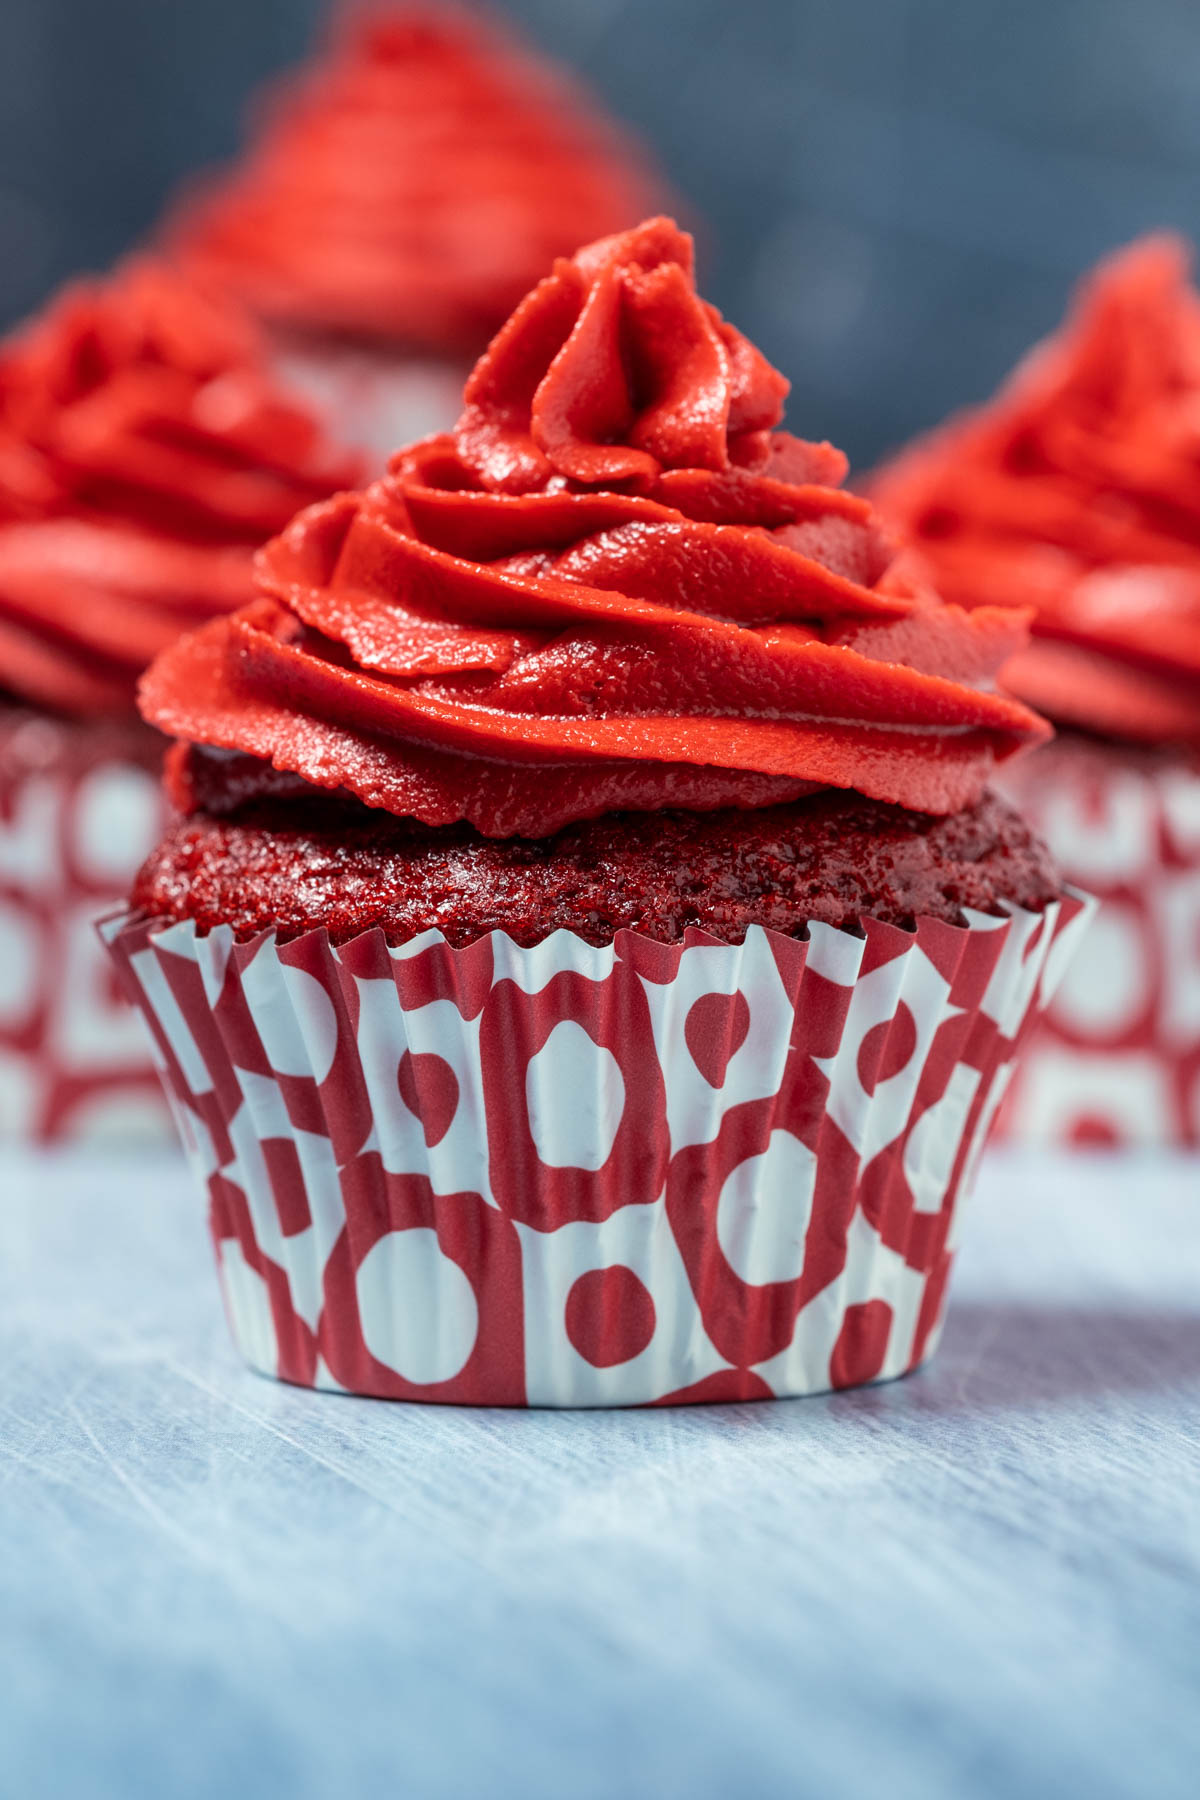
[{"x": 836, "y": 858}]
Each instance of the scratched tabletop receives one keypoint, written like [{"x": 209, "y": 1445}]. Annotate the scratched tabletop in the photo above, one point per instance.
[{"x": 981, "y": 1581}]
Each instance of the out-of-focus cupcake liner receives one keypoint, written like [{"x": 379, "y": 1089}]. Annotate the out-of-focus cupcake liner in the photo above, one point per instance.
[
  {"x": 73, "y": 1061},
  {"x": 372, "y": 400},
  {"x": 576, "y": 1176},
  {"x": 1117, "y": 1058}
]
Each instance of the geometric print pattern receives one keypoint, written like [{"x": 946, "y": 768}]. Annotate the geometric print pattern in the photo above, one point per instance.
[
  {"x": 1117, "y": 1058},
  {"x": 567, "y": 1175},
  {"x": 73, "y": 1059}
]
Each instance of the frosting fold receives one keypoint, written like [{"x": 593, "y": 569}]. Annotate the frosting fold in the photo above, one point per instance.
[
  {"x": 145, "y": 451},
  {"x": 616, "y": 585},
  {"x": 1076, "y": 491}
]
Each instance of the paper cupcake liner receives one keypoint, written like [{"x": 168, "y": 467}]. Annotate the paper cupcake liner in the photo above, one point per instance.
[
  {"x": 73, "y": 1061},
  {"x": 370, "y": 400},
  {"x": 578, "y": 1176},
  {"x": 1117, "y": 1058}
]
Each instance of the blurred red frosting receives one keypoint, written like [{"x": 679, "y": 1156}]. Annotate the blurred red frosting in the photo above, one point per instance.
[
  {"x": 145, "y": 452},
  {"x": 616, "y": 585},
  {"x": 1077, "y": 491},
  {"x": 414, "y": 183}
]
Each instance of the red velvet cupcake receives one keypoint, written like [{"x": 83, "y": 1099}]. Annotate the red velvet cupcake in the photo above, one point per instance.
[
  {"x": 144, "y": 452},
  {"x": 401, "y": 195},
  {"x": 589, "y": 959},
  {"x": 1076, "y": 490}
]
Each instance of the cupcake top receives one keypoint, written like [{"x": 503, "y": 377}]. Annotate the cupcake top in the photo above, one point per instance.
[
  {"x": 414, "y": 183},
  {"x": 1076, "y": 490},
  {"x": 615, "y": 586},
  {"x": 145, "y": 451}
]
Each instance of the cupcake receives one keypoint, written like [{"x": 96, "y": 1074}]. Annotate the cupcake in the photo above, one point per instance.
[
  {"x": 588, "y": 959},
  {"x": 1076, "y": 490},
  {"x": 144, "y": 453},
  {"x": 401, "y": 196}
]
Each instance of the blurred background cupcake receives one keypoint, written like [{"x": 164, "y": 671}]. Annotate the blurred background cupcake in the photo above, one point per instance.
[
  {"x": 398, "y": 197},
  {"x": 146, "y": 449},
  {"x": 1076, "y": 491}
]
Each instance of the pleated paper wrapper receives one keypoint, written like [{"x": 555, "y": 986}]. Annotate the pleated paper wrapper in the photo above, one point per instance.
[
  {"x": 74, "y": 1063},
  {"x": 1116, "y": 1060},
  {"x": 578, "y": 1176}
]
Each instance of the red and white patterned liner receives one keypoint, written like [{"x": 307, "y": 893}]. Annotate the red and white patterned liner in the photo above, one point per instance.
[
  {"x": 1117, "y": 1057},
  {"x": 571, "y": 1176},
  {"x": 73, "y": 1059},
  {"x": 372, "y": 400}
]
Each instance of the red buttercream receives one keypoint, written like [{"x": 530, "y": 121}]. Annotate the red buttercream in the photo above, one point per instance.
[
  {"x": 1077, "y": 491},
  {"x": 615, "y": 586},
  {"x": 415, "y": 183},
  {"x": 145, "y": 451}
]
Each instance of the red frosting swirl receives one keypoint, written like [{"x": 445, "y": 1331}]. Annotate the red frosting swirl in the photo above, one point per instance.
[
  {"x": 1077, "y": 491},
  {"x": 615, "y": 586},
  {"x": 415, "y": 183},
  {"x": 145, "y": 452}
]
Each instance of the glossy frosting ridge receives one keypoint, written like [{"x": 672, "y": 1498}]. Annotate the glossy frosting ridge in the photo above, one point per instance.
[{"x": 617, "y": 585}]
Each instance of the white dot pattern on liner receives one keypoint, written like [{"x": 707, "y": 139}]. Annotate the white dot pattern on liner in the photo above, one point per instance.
[
  {"x": 77, "y": 1059},
  {"x": 417, "y": 1308},
  {"x": 764, "y": 1210},
  {"x": 20, "y": 964},
  {"x": 1118, "y": 1055},
  {"x": 119, "y": 820},
  {"x": 294, "y": 1015},
  {"x": 1104, "y": 990},
  {"x": 248, "y": 1306},
  {"x": 575, "y": 1095}
]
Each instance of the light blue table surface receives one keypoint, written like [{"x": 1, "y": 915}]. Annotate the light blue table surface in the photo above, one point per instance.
[{"x": 981, "y": 1581}]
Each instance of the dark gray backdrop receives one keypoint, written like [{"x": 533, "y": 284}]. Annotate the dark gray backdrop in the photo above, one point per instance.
[{"x": 898, "y": 192}]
